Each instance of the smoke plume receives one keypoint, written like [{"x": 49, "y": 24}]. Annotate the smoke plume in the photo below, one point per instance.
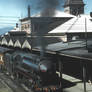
[{"x": 48, "y": 7}]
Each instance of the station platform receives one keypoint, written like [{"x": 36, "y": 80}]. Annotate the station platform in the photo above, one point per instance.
[{"x": 75, "y": 85}]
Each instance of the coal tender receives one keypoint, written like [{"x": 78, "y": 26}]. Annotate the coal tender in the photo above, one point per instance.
[{"x": 36, "y": 73}]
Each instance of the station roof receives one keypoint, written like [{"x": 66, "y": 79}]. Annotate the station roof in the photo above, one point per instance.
[
  {"x": 78, "y": 24},
  {"x": 65, "y": 46},
  {"x": 78, "y": 53},
  {"x": 76, "y": 49}
]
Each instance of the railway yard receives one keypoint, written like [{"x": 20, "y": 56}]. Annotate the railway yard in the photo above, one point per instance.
[
  {"x": 73, "y": 79},
  {"x": 9, "y": 85},
  {"x": 50, "y": 51},
  {"x": 70, "y": 84}
]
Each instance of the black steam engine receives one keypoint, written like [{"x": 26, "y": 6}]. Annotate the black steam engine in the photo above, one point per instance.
[{"x": 37, "y": 73}]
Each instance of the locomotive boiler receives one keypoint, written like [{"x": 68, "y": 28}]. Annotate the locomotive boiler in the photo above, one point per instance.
[{"x": 35, "y": 72}]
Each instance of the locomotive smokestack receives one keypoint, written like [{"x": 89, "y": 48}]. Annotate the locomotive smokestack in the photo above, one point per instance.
[{"x": 29, "y": 11}]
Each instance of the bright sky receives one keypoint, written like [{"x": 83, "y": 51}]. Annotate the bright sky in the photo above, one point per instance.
[
  {"x": 88, "y": 6},
  {"x": 13, "y": 9},
  {"x": 18, "y": 8}
]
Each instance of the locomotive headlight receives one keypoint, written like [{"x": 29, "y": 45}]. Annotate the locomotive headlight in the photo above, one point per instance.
[{"x": 43, "y": 68}]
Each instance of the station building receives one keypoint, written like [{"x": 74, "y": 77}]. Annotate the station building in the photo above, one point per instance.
[{"x": 70, "y": 25}]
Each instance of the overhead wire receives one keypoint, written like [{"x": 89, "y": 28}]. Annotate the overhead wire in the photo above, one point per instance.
[
  {"x": 9, "y": 20},
  {"x": 9, "y": 17}
]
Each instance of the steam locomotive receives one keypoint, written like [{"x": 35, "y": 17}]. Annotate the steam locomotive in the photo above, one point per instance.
[{"x": 38, "y": 74}]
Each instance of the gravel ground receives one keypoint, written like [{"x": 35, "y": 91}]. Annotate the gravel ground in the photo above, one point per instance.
[
  {"x": 9, "y": 85},
  {"x": 4, "y": 87},
  {"x": 70, "y": 85}
]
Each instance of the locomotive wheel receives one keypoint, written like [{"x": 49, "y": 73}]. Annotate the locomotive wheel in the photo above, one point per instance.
[
  {"x": 16, "y": 76},
  {"x": 38, "y": 82}
]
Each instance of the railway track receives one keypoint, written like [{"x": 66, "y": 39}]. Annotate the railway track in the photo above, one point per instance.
[
  {"x": 11, "y": 85},
  {"x": 4, "y": 87}
]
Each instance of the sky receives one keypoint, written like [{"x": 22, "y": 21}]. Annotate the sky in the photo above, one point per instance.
[
  {"x": 88, "y": 6},
  {"x": 12, "y": 10}
]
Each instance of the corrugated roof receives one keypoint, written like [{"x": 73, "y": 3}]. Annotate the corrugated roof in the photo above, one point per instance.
[
  {"x": 65, "y": 46},
  {"x": 75, "y": 25},
  {"x": 79, "y": 53}
]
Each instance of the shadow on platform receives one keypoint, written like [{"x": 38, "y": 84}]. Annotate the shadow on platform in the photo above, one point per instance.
[{"x": 67, "y": 84}]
